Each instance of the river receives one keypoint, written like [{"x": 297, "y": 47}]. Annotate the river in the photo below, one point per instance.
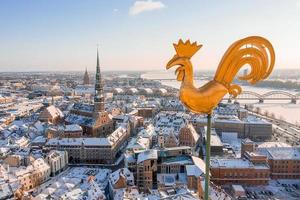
[{"x": 282, "y": 109}]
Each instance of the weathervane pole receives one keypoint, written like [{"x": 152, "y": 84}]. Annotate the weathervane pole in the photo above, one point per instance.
[{"x": 207, "y": 156}]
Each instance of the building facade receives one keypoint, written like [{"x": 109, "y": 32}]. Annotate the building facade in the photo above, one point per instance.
[
  {"x": 58, "y": 161},
  {"x": 188, "y": 136},
  {"x": 239, "y": 171},
  {"x": 51, "y": 114},
  {"x": 103, "y": 150},
  {"x": 33, "y": 175}
]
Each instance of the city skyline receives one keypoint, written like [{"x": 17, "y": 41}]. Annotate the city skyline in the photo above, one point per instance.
[{"x": 138, "y": 35}]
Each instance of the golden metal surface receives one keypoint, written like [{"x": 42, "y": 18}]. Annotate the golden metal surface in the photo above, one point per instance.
[{"x": 255, "y": 51}]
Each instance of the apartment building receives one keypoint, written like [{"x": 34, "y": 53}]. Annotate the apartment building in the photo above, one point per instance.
[
  {"x": 239, "y": 171},
  {"x": 58, "y": 161}
]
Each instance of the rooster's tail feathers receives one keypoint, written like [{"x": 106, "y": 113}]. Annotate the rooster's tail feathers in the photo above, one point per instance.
[{"x": 254, "y": 51}]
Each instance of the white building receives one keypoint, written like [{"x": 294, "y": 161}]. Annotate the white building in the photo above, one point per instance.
[{"x": 58, "y": 161}]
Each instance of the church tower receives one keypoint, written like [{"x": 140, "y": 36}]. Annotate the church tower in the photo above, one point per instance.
[
  {"x": 86, "y": 78},
  {"x": 99, "y": 94}
]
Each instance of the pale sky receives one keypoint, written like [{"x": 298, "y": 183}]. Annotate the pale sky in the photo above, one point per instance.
[{"x": 138, "y": 35}]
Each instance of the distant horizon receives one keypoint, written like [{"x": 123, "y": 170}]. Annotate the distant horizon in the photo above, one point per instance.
[{"x": 103, "y": 70}]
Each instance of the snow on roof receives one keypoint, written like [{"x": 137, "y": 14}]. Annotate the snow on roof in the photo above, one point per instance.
[
  {"x": 55, "y": 154},
  {"x": 39, "y": 126},
  {"x": 126, "y": 193},
  {"x": 108, "y": 141},
  {"x": 21, "y": 171},
  {"x": 231, "y": 163},
  {"x": 272, "y": 144},
  {"x": 40, "y": 164},
  {"x": 147, "y": 132},
  {"x": 199, "y": 163},
  {"x": 72, "y": 195},
  {"x": 64, "y": 187},
  {"x": 193, "y": 170},
  {"x": 5, "y": 191},
  {"x": 238, "y": 188},
  {"x": 163, "y": 90},
  {"x": 83, "y": 107},
  {"x": 78, "y": 142},
  {"x": 255, "y": 120},
  {"x": 170, "y": 121},
  {"x": 148, "y": 90},
  {"x": 39, "y": 139},
  {"x": 215, "y": 139},
  {"x": 147, "y": 155},
  {"x": 72, "y": 127},
  {"x": 54, "y": 111},
  {"x": 132, "y": 90},
  {"x": 139, "y": 143},
  {"x": 118, "y": 90},
  {"x": 227, "y": 118},
  {"x": 247, "y": 140},
  {"x": 4, "y": 150},
  {"x": 284, "y": 153},
  {"x": 123, "y": 172},
  {"x": 80, "y": 119},
  {"x": 22, "y": 141}
]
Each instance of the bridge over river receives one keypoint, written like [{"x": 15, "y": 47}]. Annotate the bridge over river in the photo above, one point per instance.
[{"x": 269, "y": 96}]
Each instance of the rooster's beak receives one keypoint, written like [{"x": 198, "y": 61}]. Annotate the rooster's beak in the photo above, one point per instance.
[{"x": 174, "y": 61}]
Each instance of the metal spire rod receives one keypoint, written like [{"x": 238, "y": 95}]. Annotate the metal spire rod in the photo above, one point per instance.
[{"x": 207, "y": 156}]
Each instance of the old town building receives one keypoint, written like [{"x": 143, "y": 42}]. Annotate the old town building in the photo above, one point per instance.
[
  {"x": 188, "y": 136},
  {"x": 240, "y": 171},
  {"x": 51, "y": 114},
  {"x": 101, "y": 150}
]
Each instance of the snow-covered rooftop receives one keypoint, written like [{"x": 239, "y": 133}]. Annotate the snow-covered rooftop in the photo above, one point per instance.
[
  {"x": 108, "y": 141},
  {"x": 284, "y": 153},
  {"x": 80, "y": 119},
  {"x": 146, "y": 155},
  {"x": 73, "y": 127},
  {"x": 123, "y": 172},
  {"x": 231, "y": 163}
]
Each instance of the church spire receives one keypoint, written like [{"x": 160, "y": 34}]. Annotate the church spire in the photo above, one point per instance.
[
  {"x": 99, "y": 95},
  {"x": 86, "y": 78}
]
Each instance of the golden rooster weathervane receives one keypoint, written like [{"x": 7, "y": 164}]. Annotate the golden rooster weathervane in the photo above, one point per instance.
[{"x": 255, "y": 51}]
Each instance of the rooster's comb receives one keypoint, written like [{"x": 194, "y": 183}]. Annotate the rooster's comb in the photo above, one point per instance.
[{"x": 186, "y": 49}]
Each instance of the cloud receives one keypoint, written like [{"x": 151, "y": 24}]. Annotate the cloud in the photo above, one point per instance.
[
  {"x": 115, "y": 9},
  {"x": 142, "y": 6}
]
